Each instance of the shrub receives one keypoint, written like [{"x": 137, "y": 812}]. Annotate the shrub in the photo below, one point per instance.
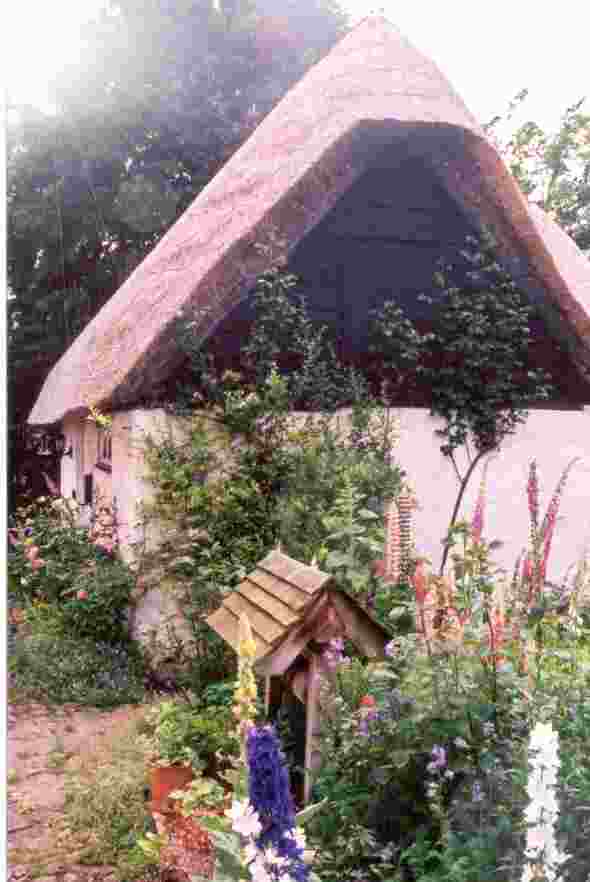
[
  {"x": 80, "y": 671},
  {"x": 101, "y": 613},
  {"x": 219, "y": 694},
  {"x": 54, "y": 562},
  {"x": 62, "y": 550},
  {"x": 214, "y": 731},
  {"x": 246, "y": 476},
  {"x": 402, "y": 746},
  {"x": 184, "y": 733}
]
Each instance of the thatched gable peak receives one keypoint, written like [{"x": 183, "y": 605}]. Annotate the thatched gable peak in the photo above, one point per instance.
[{"x": 324, "y": 134}]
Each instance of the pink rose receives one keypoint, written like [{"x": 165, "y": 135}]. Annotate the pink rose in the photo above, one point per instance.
[
  {"x": 82, "y": 594},
  {"x": 37, "y": 563},
  {"x": 32, "y": 552}
]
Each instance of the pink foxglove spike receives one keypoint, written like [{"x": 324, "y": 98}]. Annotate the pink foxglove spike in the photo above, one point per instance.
[
  {"x": 392, "y": 544},
  {"x": 406, "y": 504},
  {"x": 550, "y": 519},
  {"x": 477, "y": 523}
]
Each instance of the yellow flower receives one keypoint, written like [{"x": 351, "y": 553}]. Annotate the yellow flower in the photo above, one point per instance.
[
  {"x": 248, "y": 648},
  {"x": 246, "y": 643}
]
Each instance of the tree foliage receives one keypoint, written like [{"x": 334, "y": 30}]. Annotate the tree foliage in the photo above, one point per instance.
[
  {"x": 475, "y": 360},
  {"x": 553, "y": 169},
  {"x": 163, "y": 95}
]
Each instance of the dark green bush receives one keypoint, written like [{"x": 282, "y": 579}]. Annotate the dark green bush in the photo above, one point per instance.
[
  {"x": 79, "y": 671},
  {"x": 101, "y": 615},
  {"x": 219, "y": 694}
]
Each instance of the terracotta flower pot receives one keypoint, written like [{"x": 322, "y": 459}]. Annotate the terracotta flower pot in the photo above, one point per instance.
[{"x": 165, "y": 779}]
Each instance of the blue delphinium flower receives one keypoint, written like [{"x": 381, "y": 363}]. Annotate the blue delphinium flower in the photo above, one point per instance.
[{"x": 270, "y": 796}]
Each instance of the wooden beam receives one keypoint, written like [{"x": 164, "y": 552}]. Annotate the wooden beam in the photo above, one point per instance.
[
  {"x": 329, "y": 625},
  {"x": 359, "y": 628},
  {"x": 311, "y": 710},
  {"x": 266, "y": 696},
  {"x": 277, "y": 662}
]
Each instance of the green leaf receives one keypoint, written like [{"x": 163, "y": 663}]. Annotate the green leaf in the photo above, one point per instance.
[
  {"x": 339, "y": 559},
  {"x": 306, "y": 814},
  {"x": 535, "y": 615},
  {"x": 215, "y": 824},
  {"x": 368, "y": 515},
  {"x": 400, "y": 758},
  {"x": 228, "y": 859}
]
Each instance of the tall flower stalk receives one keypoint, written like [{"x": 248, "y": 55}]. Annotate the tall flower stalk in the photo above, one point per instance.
[
  {"x": 541, "y": 537},
  {"x": 244, "y": 696},
  {"x": 550, "y": 519},
  {"x": 477, "y": 522},
  {"x": 270, "y": 796},
  {"x": 533, "y": 560}
]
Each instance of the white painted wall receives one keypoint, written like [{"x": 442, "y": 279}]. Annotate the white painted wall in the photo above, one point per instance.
[
  {"x": 130, "y": 474},
  {"x": 552, "y": 437},
  {"x": 82, "y": 436},
  {"x": 71, "y": 465}
]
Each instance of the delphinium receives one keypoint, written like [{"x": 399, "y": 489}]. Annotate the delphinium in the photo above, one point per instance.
[
  {"x": 262, "y": 812},
  {"x": 279, "y": 844}
]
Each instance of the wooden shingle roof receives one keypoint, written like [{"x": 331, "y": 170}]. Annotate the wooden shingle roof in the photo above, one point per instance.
[{"x": 276, "y": 596}]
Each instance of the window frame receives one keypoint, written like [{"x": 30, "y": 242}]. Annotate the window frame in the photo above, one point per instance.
[{"x": 104, "y": 457}]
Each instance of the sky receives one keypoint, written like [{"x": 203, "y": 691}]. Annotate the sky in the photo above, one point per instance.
[{"x": 489, "y": 51}]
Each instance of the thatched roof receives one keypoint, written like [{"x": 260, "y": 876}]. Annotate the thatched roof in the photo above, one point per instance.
[{"x": 276, "y": 188}]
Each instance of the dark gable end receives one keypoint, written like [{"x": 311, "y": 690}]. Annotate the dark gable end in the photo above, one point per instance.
[{"x": 372, "y": 161}]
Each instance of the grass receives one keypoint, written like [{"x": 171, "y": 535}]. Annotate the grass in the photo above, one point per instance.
[{"x": 104, "y": 806}]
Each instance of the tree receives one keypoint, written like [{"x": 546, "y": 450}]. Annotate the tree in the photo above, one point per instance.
[
  {"x": 475, "y": 360},
  {"x": 165, "y": 93},
  {"x": 553, "y": 170}
]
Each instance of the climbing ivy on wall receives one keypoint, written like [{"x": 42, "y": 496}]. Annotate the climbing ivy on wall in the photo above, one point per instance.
[{"x": 249, "y": 473}]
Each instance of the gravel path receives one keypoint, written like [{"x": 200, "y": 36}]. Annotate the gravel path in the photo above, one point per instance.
[{"x": 36, "y": 791}]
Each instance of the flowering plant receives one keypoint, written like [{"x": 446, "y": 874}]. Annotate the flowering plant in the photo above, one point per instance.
[
  {"x": 271, "y": 797},
  {"x": 259, "y": 837}
]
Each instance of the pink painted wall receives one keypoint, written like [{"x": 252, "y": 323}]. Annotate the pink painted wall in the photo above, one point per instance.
[
  {"x": 82, "y": 436},
  {"x": 552, "y": 438}
]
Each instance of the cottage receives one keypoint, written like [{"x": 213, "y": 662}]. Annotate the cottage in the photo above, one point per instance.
[
  {"x": 369, "y": 170},
  {"x": 294, "y": 611}
]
